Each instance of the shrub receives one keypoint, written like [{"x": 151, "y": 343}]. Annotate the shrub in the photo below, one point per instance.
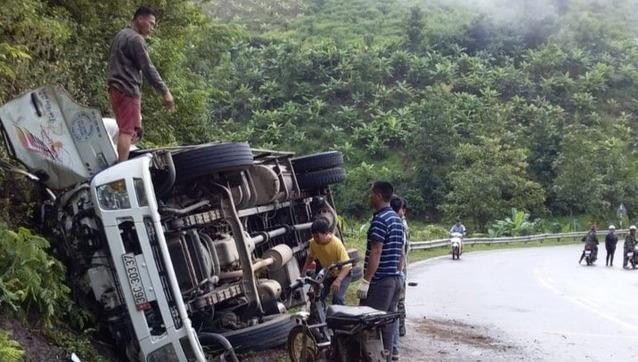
[
  {"x": 516, "y": 225},
  {"x": 31, "y": 280},
  {"x": 10, "y": 350},
  {"x": 429, "y": 232}
]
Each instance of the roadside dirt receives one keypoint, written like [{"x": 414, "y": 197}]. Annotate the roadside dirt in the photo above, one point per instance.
[
  {"x": 426, "y": 340},
  {"x": 37, "y": 347},
  {"x": 436, "y": 340}
]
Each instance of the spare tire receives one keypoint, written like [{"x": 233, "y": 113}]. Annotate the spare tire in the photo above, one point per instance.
[
  {"x": 317, "y": 161},
  {"x": 191, "y": 163},
  {"x": 321, "y": 178}
]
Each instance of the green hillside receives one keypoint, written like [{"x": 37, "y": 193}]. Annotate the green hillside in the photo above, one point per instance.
[
  {"x": 470, "y": 108},
  {"x": 484, "y": 109}
]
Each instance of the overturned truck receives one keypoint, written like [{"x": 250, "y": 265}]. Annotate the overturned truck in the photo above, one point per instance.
[{"x": 179, "y": 252}]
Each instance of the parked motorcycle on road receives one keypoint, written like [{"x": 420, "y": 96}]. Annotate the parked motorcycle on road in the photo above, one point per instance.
[
  {"x": 338, "y": 333},
  {"x": 631, "y": 257},
  {"x": 455, "y": 242},
  {"x": 590, "y": 254}
]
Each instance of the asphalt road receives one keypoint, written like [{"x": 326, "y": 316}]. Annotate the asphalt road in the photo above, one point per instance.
[{"x": 525, "y": 304}]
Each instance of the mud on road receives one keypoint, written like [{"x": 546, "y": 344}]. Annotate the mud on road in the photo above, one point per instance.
[{"x": 452, "y": 340}]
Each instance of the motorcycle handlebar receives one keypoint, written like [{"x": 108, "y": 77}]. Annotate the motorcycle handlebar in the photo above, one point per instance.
[
  {"x": 318, "y": 279},
  {"x": 340, "y": 264}
]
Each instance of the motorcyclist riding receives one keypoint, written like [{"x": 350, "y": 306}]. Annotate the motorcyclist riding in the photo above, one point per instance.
[
  {"x": 458, "y": 228},
  {"x": 630, "y": 243},
  {"x": 591, "y": 243}
]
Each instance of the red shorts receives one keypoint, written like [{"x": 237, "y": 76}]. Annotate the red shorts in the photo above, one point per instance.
[{"x": 127, "y": 111}]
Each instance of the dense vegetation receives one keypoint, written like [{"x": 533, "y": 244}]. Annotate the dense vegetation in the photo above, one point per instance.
[
  {"x": 498, "y": 111},
  {"x": 470, "y": 110}
]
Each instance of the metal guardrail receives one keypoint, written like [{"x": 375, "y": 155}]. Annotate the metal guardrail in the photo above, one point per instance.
[{"x": 430, "y": 244}]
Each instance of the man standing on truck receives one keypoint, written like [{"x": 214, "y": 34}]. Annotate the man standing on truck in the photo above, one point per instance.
[
  {"x": 128, "y": 60},
  {"x": 382, "y": 283}
]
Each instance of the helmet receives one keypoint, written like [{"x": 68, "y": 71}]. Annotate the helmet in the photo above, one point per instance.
[
  {"x": 632, "y": 227},
  {"x": 612, "y": 227}
]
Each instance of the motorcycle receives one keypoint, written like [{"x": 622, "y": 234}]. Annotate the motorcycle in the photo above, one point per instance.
[
  {"x": 455, "y": 242},
  {"x": 590, "y": 255},
  {"x": 632, "y": 257},
  {"x": 338, "y": 333}
]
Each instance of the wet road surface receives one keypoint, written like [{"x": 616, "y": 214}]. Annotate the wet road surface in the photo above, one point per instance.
[{"x": 525, "y": 304}]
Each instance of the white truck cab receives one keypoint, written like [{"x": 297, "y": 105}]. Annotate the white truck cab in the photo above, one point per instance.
[{"x": 179, "y": 252}]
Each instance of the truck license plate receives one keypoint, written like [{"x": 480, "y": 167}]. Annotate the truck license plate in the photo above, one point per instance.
[{"x": 135, "y": 281}]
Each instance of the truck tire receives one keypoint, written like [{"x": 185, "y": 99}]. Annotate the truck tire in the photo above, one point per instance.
[
  {"x": 317, "y": 161},
  {"x": 273, "y": 332},
  {"x": 197, "y": 161},
  {"x": 321, "y": 178}
]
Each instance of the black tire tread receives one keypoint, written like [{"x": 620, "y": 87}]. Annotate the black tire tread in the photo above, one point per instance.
[
  {"x": 317, "y": 161},
  {"x": 270, "y": 334},
  {"x": 316, "y": 179},
  {"x": 206, "y": 159}
]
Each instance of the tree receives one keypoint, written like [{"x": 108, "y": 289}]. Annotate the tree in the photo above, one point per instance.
[
  {"x": 595, "y": 170},
  {"x": 489, "y": 179},
  {"x": 414, "y": 29}
]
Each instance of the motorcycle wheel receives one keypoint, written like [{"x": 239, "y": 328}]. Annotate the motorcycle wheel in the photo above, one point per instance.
[
  {"x": 296, "y": 345},
  {"x": 588, "y": 260}
]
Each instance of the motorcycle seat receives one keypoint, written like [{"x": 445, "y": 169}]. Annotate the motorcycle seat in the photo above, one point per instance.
[
  {"x": 347, "y": 311},
  {"x": 347, "y": 317}
]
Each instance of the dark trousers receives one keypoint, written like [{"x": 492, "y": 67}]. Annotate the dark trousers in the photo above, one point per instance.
[
  {"x": 340, "y": 296},
  {"x": 610, "y": 255},
  {"x": 384, "y": 295}
]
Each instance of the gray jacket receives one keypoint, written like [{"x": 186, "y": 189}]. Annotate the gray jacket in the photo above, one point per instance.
[{"x": 128, "y": 60}]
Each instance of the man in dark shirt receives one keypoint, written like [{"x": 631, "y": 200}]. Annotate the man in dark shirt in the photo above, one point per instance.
[
  {"x": 128, "y": 60},
  {"x": 610, "y": 244},
  {"x": 399, "y": 205},
  {"x": 591, "y": 243},
  {"x": 630, "y": 243},
  {"x": 382, "y": 282}
]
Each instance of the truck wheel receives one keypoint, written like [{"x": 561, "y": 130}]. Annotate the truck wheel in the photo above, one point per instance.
[
  {"x": 273, "y": 332},
  {"x": 321, "y": 178},
  {"x": 197, "y": 161},
  {"x": 317, "y": 161}
]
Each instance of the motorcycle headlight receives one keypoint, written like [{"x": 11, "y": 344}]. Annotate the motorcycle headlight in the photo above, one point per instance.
[{"x": 113, "y": 195}]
